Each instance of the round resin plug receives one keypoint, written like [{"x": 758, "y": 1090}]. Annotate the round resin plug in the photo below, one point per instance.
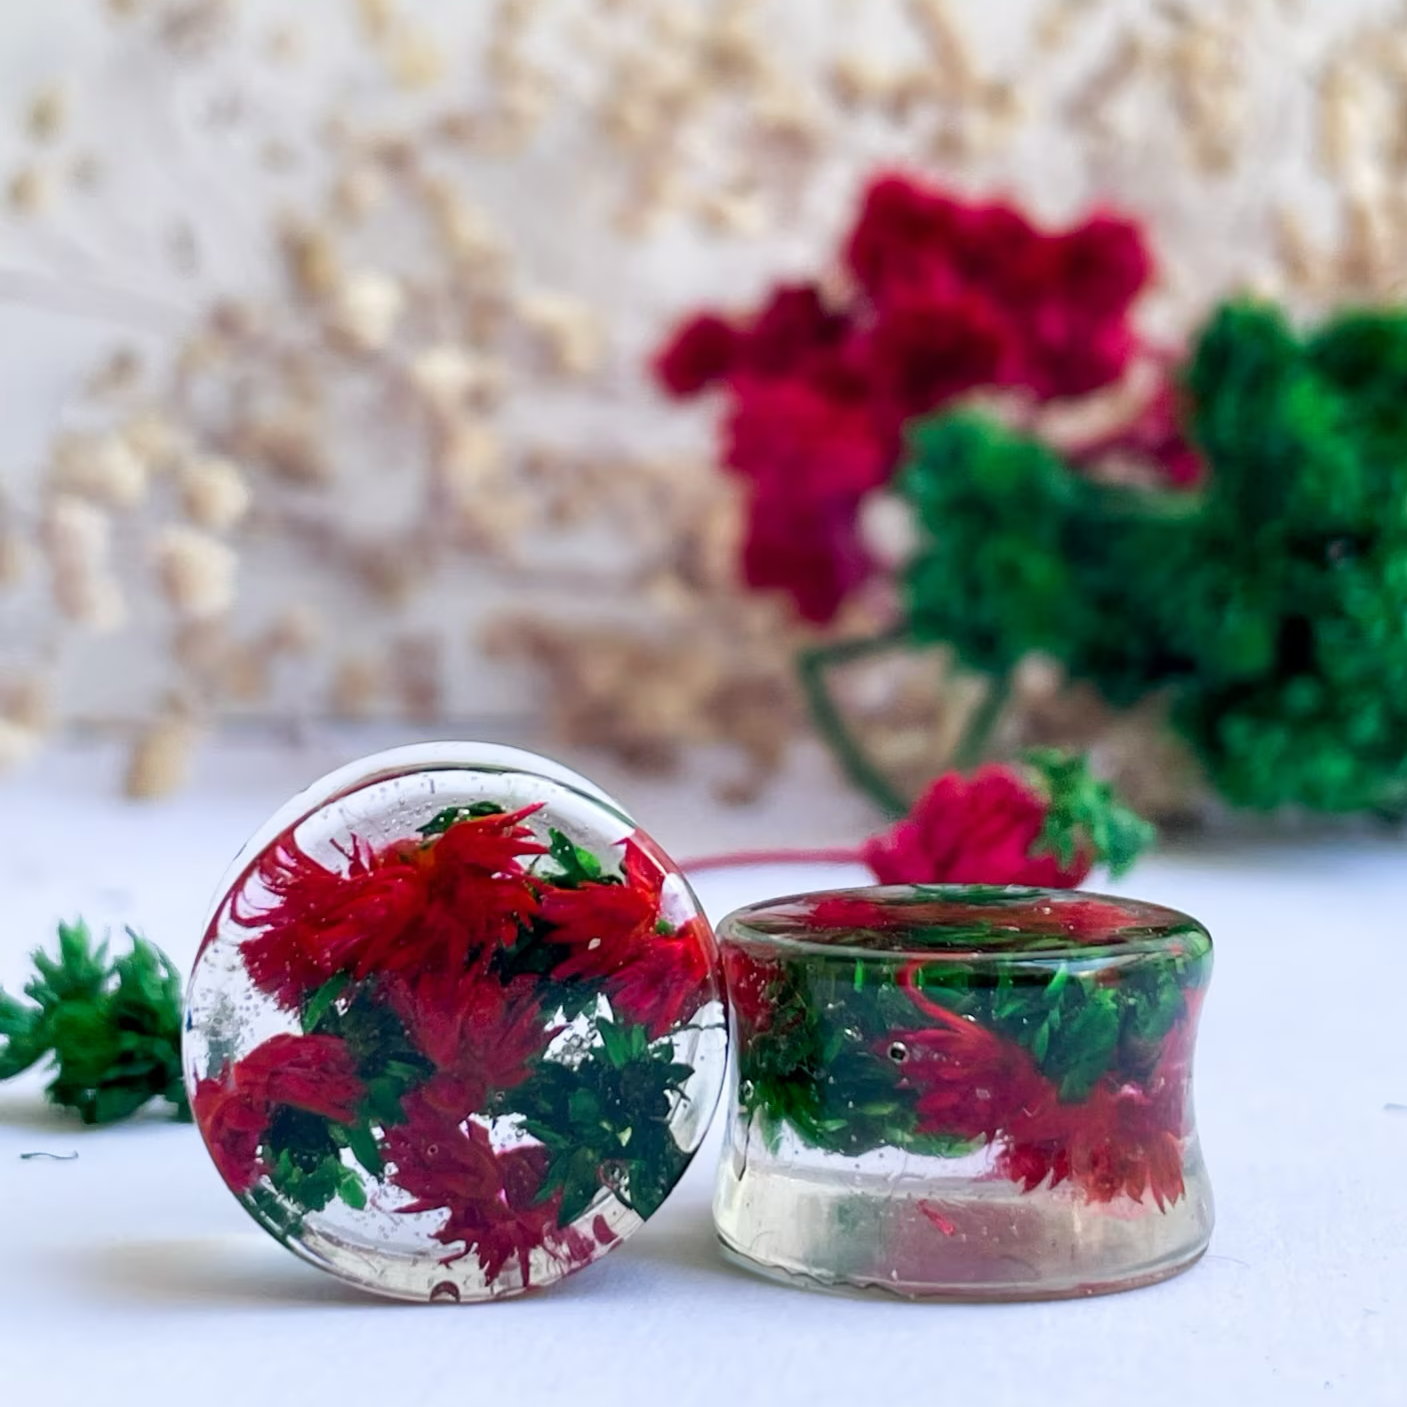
[
  {"x": 964, "y": 1093},
  {"x": 456, "y": 1027}
]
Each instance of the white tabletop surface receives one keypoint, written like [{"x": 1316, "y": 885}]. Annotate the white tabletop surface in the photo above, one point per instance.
[{"x": 130, "y": 1275}]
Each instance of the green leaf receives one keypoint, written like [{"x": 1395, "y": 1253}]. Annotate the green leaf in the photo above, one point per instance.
[
  {"x": 1086, "y": 1045},
  {"x": 452, "y": 815},
  {"x": 576, "y": 865},
  {"x": 622, "y": 1043},
  {"x": 1083, "y": 816},
  {"x": 365, "y": 1148},
  {"x": 320, "y": 1002},
  {"x": 382, "y": 1103},
  {"x": 303, "y": 1153},
  {"x": 351, "y": 1189},
  {"x": 583, "y": 1107},
  {"x": 607, "y": 1117},
  {"x": 22, "y": 1031},
  {"x": 575, "y": 1173}
]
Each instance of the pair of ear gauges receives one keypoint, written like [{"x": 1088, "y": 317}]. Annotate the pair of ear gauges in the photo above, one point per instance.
[{"x": 458, "y": 1026}]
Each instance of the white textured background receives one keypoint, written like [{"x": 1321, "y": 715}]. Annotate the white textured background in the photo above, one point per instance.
[{"x": 97, "y": 271}]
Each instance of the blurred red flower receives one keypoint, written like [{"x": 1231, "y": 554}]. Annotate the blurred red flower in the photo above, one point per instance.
[
  {"x": 980, "y": 829},
  {"x": 812, "y": 442},
  {"x": 949, "y": 297},
  {"x": 907, "y": 235},
  {"x": 701, "y": 352},
  {"x": 794, "y": 326},
  {"x": 931, "y": 347},
  {"x": 812, "y": 551}
]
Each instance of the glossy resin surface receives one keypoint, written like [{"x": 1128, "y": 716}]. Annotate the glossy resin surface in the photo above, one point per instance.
[
  {"x": 456, "y": 1026},
  {"x": 962, "y": 1092}
]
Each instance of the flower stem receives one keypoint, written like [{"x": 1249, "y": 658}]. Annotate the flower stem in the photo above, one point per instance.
[
  {"x": 977, "y": 732},
  {"x": 856, "y": 764}
]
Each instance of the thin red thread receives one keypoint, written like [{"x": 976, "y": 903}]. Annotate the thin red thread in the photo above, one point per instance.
[{"x": 835, "y": 856}]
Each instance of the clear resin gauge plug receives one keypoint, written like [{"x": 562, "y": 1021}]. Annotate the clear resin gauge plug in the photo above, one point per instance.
[
  {"x": 456, "y": 1026},
  {"x": 964, "y": 1093}
]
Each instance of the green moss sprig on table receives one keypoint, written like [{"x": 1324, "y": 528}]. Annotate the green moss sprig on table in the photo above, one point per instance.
[{"x": 109, "y": 1026}]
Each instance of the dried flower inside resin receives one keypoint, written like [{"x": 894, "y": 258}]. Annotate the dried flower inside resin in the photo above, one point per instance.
[{"x": 456, "y": 1030}]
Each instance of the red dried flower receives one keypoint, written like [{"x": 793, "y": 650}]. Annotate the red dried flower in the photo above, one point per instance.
[
  {"x": 702, "y": 352},
  {"x": 413, "y": 905},
  {"x": 905, "y": 237},
  {"x": 658, "y": 979},
  {"x": 950, "y": 297},
  {"x": 810, "y": 454},
  {"x": 928, "y": 348},
  {"x": 810, "y": 441},
  {"x": 974, "y": 830},
  {"x": 1058, "y": 303},
  {"x": 1072, "y": 355},
  {"x": 794, "y": 327},
  {"x": 1126, "y": 1138},
  {"x": 314, "y": 1073},
  {"x": 492, "y": 1198},
  {"x": 1091, "y": 921},
  {"x": 749, "y": 981},
  {"x": 233, "y": 1128},
  {"x": 970, "y": 1082},
  {"x": 1072, "y": 294},
  {"x": 811, "y": 551},
  {"x": 1103, "y": 264},
  {"x": 481, "y": 1036},
  {"x": 999, "y": 250},
  {"x": 606, "y": 925},
  {"x": 317, "y": 1074},
  {"x": 668, "y": 982},
  {"x": 847, "y": 911},
  {"x": 319, "y": 919},
  {"x": 1120, "y": 1140}
]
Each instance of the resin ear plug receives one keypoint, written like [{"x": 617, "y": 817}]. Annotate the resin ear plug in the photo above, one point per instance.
[
  {"x": 964, "y": 1093},
  {"x": 456, "y": 1026}
]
